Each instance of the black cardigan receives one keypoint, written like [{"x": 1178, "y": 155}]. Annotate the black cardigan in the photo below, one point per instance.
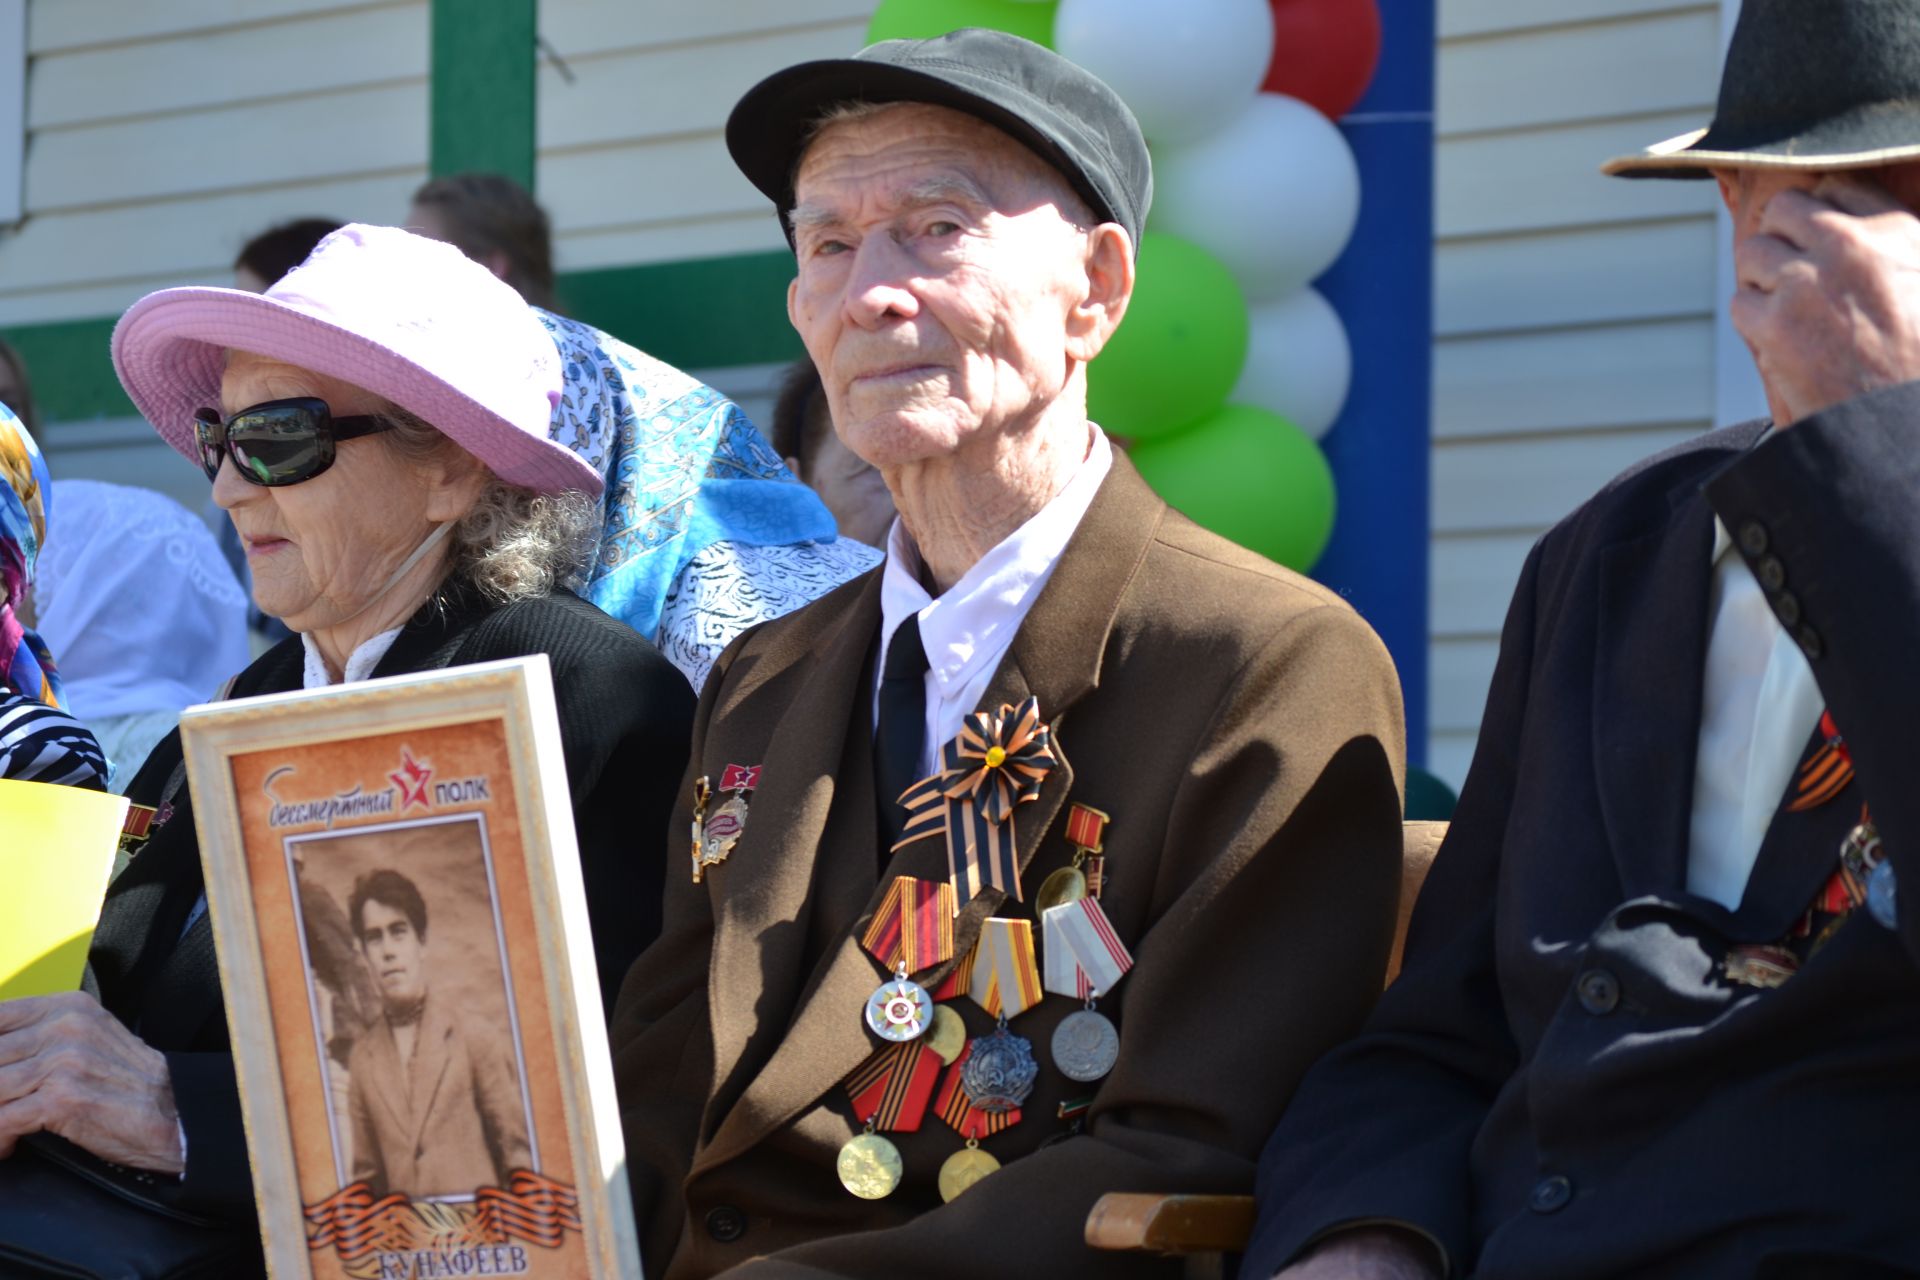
[{"x": 625, "y": 722}]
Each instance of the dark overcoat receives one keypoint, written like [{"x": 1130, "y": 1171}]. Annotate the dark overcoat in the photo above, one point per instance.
[{"x": 1563, "y": 1081}]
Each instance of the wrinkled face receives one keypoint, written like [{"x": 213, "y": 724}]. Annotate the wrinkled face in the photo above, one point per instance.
[
  {"x": 939, "y": 262},
  {"x": 1746, "y": 191},
  {"x": 321, "y": 550},
  {"x": 395, "y": 952}
]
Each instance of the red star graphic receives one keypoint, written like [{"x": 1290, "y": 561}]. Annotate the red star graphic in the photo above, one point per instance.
[{"x": 412, "y": 781}]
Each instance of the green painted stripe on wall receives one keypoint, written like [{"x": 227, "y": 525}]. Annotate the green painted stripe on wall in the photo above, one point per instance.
[
  {"x": 702, "y": 313},
  {"x": 699, "y": 314},
  {"x": 71, "y": 370},
  {"x": 481, "y": 95}
]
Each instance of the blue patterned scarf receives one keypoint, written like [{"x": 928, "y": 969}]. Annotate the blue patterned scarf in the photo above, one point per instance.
[{"x": 685, "y": 468}]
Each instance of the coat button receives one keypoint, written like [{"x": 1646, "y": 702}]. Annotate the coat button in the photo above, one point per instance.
[
  {"x": 1599, "y": 992},
  {"x": 1753, "y": 538},
  {"x": 1810, "y": 642},
  {"x": 726, "y": 1223},
  {"x": 1772, "y": 574},
  {"x": 1786, "y": 607},
  {"x": 1550, "y": 1195}
]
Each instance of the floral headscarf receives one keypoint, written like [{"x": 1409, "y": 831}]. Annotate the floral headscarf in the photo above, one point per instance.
[
  {"x": 26, "y": 498},
  {"x": 685, "y": 469}
]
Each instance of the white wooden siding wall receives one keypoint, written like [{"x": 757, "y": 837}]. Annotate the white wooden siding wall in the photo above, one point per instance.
[
  {"x": 632, "y": 165},
  {"x": 161, "y": 136},
  {"x": 1574, "y": 313}
]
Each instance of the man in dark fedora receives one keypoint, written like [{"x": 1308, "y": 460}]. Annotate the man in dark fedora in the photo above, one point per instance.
[
  {"x": 1190, "y": 754},
  {"x": 1660, "y": 1011}
]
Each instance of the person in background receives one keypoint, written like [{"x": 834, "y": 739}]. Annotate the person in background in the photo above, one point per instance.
[
  {"x": 803, "y": 434},
  {"x": 16, "y": 389},
  {"x": 278, "y": 250},
  {"x": 705, "y": 530},
  {"x": 496, "y": 222},
  {"x": 39, "y": 742},
  {"x": 131, "y": 671}
]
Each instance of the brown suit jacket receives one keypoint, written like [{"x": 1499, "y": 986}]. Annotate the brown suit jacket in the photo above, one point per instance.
[
  {"x": 450, "y": 1119},
  {"x": 1243, "y": 728}
]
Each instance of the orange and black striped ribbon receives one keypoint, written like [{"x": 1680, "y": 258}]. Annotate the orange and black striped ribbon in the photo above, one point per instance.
[
  {"x": 914, "y": 925},
  {"x": 993, "y": 765},
  {"x": 893, "y": 1087},
  {"x": 532, "y": 1208},
  {"x": 354, "y": 1224},
  {"x": 957, "y": 1109},
  {"x": 1826, "y": 772}
]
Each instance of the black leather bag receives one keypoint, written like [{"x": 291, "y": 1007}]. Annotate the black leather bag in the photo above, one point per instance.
[{"x": 65, "y": 1213}]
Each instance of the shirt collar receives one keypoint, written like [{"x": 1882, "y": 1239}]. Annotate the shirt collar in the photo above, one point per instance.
[
  {"x": 973, "y": 621},
  {"x": 360, "y": 663}
]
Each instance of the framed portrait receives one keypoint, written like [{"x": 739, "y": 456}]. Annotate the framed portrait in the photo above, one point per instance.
[{"x": 416, "y": 1021}]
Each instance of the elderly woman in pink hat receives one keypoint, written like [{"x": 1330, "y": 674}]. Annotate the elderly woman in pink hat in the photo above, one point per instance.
[{"x": 376, "y": 426}]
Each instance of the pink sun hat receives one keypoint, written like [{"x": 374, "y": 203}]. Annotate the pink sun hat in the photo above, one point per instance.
[{"x": 410, "y": 319}]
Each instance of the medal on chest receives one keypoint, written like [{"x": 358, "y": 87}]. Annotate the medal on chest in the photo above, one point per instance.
[
  {"x": 715, "y": 832},
  {"x": 1086, "y": 826}
]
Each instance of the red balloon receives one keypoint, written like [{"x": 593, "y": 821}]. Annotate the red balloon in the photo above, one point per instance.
[{"x": 1324, "y": 52}]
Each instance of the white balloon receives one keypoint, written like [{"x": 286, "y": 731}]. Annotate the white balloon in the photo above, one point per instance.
[
  {"x": 1274, "y": 195},
  {"x": 1185, "y": 67},
  {"x": 1299, "y": 362}
]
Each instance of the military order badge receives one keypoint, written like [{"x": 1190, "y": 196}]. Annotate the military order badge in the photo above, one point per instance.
[
  {"x": 402, "y": 935},
  {"x": 715, "y": 834}
]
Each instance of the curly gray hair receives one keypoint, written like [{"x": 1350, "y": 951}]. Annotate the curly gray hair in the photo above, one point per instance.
[{"x": 513, "y": 544}]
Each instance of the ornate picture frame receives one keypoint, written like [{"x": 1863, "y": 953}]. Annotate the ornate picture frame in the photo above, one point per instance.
[{"x": 410, "y": 986}]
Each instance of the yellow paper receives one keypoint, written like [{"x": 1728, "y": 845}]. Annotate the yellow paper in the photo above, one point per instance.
[{"x": 56, "y": 851}]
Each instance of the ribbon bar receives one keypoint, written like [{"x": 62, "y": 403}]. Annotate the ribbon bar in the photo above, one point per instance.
[
  {"x": 913, "y": 926},
  {"x": 1005, "y": 979},
  {"x": 1085, "y": 957},
  {"x": 894, "y": 1086}
]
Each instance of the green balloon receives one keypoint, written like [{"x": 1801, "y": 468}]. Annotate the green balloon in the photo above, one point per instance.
[
  {"x": 921, "y": 19},
  {"x": 1248, "y": 475},
  {"x": 1178, "y": 350}
]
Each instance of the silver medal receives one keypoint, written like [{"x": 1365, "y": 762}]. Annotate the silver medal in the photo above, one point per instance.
[
  {"x": 1085, "y": 1046},
  {"x": 900, "y": 1010},
  {"x": 1000, "y": 1071}
]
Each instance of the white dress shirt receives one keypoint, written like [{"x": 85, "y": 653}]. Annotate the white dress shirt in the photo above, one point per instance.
[
  {"x": 1758, "y": 710},
  {"x": 969, "y": 628}
]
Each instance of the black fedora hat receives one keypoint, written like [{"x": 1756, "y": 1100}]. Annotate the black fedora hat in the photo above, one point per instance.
[
  {"x": 1809, "y": 84},
  {"x": 1057, "y": 109}
]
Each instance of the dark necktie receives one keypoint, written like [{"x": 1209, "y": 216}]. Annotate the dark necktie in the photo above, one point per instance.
[{"x": 902, "y": 732}]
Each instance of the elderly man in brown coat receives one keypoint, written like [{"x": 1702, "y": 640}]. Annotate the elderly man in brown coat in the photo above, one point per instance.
[{"x": 1041, "y": 861}]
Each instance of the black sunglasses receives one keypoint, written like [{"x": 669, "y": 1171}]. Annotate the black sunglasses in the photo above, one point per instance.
[{"x": 278, "y": 442}]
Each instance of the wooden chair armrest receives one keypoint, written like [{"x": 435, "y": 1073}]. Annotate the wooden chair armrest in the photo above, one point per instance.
[{"x": 1170, "y": 1224}]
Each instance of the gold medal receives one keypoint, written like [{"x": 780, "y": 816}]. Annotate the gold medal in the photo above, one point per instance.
[
  {"x": 964, "y": 1168},
  {"x": 869, "y": 1166},
  {"x": 1065, "y": 885},
  {"x": 948, "y": 1034}
]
